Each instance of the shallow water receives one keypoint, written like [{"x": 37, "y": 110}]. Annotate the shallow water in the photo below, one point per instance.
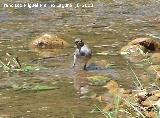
[{"x": 109, "y": 23}]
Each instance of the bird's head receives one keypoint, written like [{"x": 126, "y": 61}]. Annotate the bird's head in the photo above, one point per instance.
[{"x": 79, "y": 43}]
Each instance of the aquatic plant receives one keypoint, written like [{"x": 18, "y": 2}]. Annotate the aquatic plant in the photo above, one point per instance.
[
  {"x": 110, "y": 114},
  {"x": 34, "y": 87},
  {"x": 12, "y": 64}
]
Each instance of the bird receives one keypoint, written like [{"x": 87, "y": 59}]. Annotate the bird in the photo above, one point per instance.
[{"x": 82, "y": 52}]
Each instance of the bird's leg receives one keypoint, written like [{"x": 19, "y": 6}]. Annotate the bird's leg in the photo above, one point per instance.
[
  {"x": 74, "y": 61},
  {"x": 85, "y": 64},
  {"x": 84, "y": 68}
]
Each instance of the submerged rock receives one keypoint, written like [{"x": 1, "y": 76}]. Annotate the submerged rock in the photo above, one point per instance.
[
  {"x": 112, "y": 86},
  {"x": 43, "y": 88},
  {"x": 98, "y": 80},
  {"x": 101, "y": 63}
]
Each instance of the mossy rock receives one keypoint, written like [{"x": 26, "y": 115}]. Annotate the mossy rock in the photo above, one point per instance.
[{"x": 98, "y": 80}]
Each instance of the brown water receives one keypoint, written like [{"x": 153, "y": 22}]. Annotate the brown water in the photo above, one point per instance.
[{"x": 112, "y": 23}]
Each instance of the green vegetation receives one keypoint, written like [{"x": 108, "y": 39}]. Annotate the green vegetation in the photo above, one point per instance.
[
  {"x": 34, "y": 87},
  {"x": 98, "y": 80},
  {"x": 12, "y": 64},
  {"x": 43, "y": 88}
]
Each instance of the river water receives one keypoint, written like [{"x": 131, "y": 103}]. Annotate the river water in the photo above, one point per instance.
[{"x": 111, "y": 23}]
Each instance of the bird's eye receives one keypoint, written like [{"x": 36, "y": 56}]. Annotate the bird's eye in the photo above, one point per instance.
[{"x": 76, "y": 42}]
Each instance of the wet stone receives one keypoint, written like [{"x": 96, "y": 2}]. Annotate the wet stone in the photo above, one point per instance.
[
  {"x": 126, "y": 91},
  {"x": 157, "y": 94},
  {"x": 112, "y": 86},
  {"x": 151, "y": 114},
  {"x": 153, "y": 98},
  {"x": 147, "y": 103}
]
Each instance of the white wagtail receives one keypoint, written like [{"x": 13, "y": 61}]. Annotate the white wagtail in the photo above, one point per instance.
[{"x": 82, "y": 52}]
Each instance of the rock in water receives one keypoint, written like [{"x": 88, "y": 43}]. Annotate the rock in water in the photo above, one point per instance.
[
  {"x": 49, "y": 45},
  {"x": 149, "y": 44},
  {"x": 48, "y": 41},
  {"x": 141, "y": 48}
]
